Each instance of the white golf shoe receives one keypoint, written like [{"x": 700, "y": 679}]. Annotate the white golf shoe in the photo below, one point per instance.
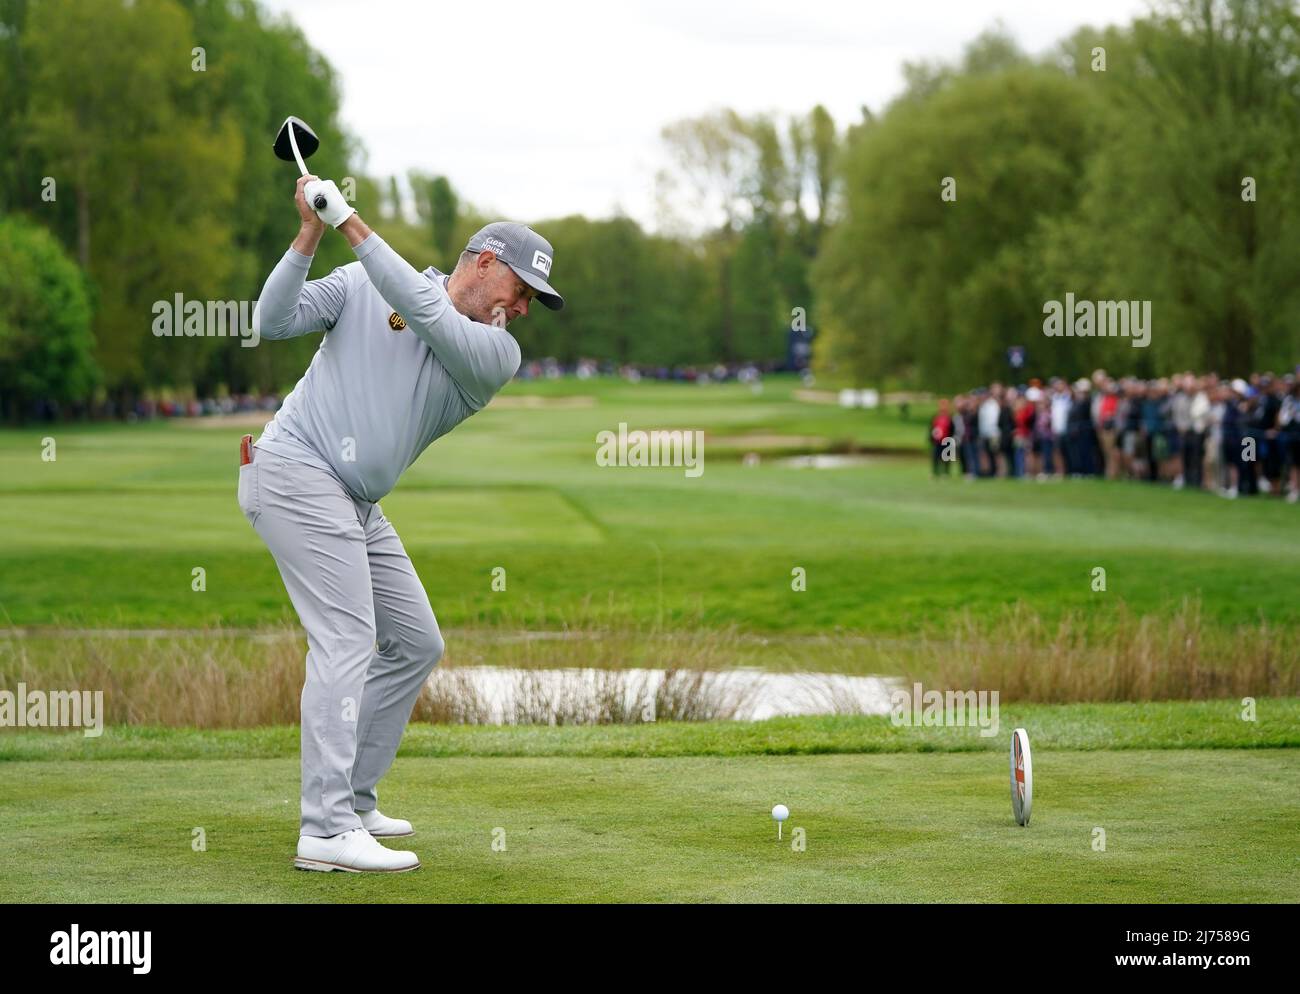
[
  {"x": 383, "y": 827},
  {"x": 354, "y": 851}
]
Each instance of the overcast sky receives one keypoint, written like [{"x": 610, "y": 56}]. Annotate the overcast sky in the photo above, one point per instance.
[{"x": 537, "y": 110}]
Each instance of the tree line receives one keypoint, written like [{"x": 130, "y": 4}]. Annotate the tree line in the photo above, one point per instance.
[{"x": 1151, "y": 162}]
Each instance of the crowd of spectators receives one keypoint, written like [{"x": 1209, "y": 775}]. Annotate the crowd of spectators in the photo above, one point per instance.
[
  {"x": 148, "y": 408},
  {"x": 1228, "y": 436}
]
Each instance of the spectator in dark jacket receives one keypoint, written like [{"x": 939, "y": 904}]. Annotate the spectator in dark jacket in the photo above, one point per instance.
[
  {"x": 1080, "y": 432},
  {"x": 1263, "y": 428},
  {"x": 1231, "y": 432},
  {"x": 968, "y": 435},
  {"x": 1288, "y": 426},
  {"x": 1007, "y": 431}
]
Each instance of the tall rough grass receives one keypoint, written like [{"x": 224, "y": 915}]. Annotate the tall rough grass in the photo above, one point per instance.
[
  {"x": 1131, "y": 658},
  {"x": 233, "y": 679}
]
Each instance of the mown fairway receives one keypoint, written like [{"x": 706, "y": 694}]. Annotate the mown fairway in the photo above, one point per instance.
[
  {"x": 108, "y": 534},
  {"x": 686, "y": 821}
]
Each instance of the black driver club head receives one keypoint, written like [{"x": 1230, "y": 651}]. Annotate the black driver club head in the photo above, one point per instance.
[
  {"x": 302, "y": 133},
  {"x": 296, "y": 131}
]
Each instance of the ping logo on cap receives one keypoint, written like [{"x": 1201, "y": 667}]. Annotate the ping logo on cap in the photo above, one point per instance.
[{"x": 542, "y": 261}]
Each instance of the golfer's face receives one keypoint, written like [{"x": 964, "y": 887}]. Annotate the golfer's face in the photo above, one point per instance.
[{"x": 509, "y": 293}]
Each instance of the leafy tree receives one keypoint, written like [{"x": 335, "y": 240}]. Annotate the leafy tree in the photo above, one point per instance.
[
  {"x": 152, "y": 186},
  {"x": 259, "y": 71},
  {"x": 911, "y": 284},
  {"x": 16, "y": 175},
  {"x": 629, "y": 296},
  {"x": 1201, "y": 102},
  {"x": 753, "y": 175},
  {"x": 46, "y": 347},
  {"x": 438, "y": 207}
]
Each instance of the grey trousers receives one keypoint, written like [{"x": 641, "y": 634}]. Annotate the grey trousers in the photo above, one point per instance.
[{"x": 372, "y": 637}]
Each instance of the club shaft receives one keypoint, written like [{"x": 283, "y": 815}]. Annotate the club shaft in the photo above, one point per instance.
[
  {"x": 319, "y": 200},
  {"x": 293, "y": 144}
]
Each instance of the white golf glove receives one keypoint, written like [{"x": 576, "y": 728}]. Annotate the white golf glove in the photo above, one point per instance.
[{"x": 336, "y": 209}]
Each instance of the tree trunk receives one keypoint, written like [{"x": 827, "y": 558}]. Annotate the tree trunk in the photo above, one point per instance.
[
  {"x": 728, "y": 331},
  {"x": 83, "y": 226}
]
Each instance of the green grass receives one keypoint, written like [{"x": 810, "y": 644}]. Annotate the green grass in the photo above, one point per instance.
[
  {"x": 1197, "y": 804},
  {"x": 1083, "y": 727},
  {"x": 109, "y": 533},
  {"x": 916, "y": 827}
]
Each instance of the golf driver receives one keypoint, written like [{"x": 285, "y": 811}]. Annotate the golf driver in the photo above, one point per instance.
[{"x": 296, "y": 142}]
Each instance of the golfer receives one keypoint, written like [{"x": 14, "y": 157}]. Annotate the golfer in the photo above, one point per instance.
[{"x": 405, "y": 357}]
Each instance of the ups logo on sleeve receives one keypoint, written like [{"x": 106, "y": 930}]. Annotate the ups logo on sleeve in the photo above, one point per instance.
[{"x": 395, "y": 321}]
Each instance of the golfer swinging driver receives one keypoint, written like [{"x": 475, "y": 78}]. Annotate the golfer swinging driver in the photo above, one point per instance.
[{"x": 406, "y": 357}]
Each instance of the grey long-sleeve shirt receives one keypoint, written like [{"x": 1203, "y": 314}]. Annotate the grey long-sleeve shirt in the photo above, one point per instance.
[{"x": 375, "y": 396}]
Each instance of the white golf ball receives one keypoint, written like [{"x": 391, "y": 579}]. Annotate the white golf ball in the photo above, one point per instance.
[{"x": 780, "y": 812}]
